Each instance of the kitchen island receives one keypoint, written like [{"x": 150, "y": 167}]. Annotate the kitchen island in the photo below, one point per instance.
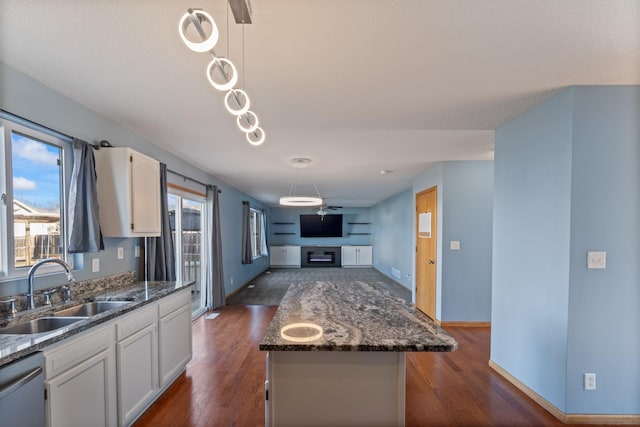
[{"x": 336, "y": 355}]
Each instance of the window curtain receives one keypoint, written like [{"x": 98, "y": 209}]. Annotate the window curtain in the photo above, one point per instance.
[
  {"x": 263, "y": 234},
  {"x": 84, "y": 223},
  {"x": 247, "y": 256},
  {"x": 161, "y": 258},
  {"x": 215, "y": 275}
]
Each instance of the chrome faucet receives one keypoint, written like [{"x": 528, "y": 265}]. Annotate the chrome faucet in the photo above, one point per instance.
[{"x": 31, "y": 302}]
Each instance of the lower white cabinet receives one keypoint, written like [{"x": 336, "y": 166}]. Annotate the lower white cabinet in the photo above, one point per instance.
[
  {"x": 357, "y": 256},
  {"x": 108, "y": 375},
  {"x": 80, "y": 381},
  {"x": 174, "y": 343},
  {"x": 136, "y": 361},
  {"x": 284, "y": 256}
]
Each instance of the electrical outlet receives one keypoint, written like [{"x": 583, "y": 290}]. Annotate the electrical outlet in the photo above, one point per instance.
[
  {"x": 95, "y": 265},
  {"x": 120, "y": 253},
  {"x": 137, "y": 251},
  {"x": 589, "y": 381}
]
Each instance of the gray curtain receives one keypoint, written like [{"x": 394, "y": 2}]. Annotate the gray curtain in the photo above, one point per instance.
[
  {"x": 84, "y": 223},
  {"x": 215, "y": 275},
  {"x": 247, "y": 256},
  {"x": 161, "y": 256}
]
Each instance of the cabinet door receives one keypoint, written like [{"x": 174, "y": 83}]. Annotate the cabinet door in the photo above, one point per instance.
[
  {"x": 365, "y": 255},
  {"x": 292, "y": 256},
  {"x": 82, "y": 396},
  {"x": 145, "y": 193},
  {"x": 278, "y": 255},
  {"x": 174, "y": 344},
  {"x": 349, "y": 255},
  {"x": 137, "y": 372}
]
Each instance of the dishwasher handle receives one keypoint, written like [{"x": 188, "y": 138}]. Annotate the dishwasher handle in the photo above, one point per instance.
[{"x": 6, "y": 390}]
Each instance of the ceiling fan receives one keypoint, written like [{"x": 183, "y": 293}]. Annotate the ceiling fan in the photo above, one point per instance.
[{"x": 324, "y": 209}]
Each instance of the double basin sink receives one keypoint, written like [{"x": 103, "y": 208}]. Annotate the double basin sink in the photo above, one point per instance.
[{"x": 63, "y": 318}]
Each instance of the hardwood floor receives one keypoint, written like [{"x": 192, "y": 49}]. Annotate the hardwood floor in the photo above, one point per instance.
[{"x": 224, "y": 383}]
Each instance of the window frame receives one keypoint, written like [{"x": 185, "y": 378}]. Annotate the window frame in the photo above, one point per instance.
[
  {"x": 255, "y": 233},
  {"x": 8, "y": 126},
  {"x": 192, "y": 196}
]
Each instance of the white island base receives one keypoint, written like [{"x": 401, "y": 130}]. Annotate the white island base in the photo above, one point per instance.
[{"x": 335, "y": 388}]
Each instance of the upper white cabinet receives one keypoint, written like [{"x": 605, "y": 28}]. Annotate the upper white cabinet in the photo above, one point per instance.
[
  {"x": 284, "y": 256},
  {"x": 357, "y": 256},
  {"x": 128, "y": 193}
]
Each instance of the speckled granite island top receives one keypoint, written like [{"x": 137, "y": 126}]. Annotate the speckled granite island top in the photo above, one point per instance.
[
  {"x": 351, "y": 316},
  {"x": 13, "y": 347}
]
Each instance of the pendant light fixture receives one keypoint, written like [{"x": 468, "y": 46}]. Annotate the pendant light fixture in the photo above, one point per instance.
[
  {"x": 300, "y": 200},
  {"x": 221, "y": 72}
]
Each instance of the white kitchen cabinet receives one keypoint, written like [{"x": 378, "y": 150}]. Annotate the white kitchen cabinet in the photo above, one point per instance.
[
  {"x": 284, "y": 256},
  {"x": 110, "y": 374},
  {"x": 174, "y": 336},
  {"x": 357, "y": 256},
  {"x": 128, "y": 188},
  {"x": 136, "y": 361},
  {"x": 80, "y": 381}
]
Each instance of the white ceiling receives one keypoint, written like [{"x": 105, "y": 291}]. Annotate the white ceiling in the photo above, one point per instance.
[{"x": 356, "y": 85}]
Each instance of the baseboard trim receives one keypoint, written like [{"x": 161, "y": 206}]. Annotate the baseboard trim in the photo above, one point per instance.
[
  {"x": 466, "y": 324},
  {"x": 565, "y": 418}
]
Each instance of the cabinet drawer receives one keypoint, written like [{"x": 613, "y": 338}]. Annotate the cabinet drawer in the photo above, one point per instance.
[
  {"x": 77, "y": 351},
  {"x": 174, "y": 302},
  {"x": 135, "y": 322}
]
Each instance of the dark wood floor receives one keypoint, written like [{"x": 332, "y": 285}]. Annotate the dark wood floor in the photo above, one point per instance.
[{"x": 224, "y": 383}]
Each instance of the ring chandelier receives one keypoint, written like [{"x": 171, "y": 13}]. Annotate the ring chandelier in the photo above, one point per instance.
[
  {"x": 299, "y": 200},
  {"x": 222, "y": 74}
]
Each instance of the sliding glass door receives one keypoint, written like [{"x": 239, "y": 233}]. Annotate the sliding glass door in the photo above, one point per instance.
[{"x": 187, "y": 214}]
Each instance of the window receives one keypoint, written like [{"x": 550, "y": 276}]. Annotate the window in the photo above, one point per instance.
[
  {"x": 32, "y": 226},
  {"x": 258, "y": 241}
]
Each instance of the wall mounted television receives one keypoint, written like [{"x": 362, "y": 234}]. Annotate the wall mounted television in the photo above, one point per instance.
[{"x": 321, "y": 226}]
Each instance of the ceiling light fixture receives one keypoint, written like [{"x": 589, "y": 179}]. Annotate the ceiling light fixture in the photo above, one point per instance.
[
  {"x": 221, "y": 72},
  {"x": 297, "y": 200}
]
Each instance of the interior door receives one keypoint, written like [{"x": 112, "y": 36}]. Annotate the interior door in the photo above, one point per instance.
[{"x": 426, "y": 250}]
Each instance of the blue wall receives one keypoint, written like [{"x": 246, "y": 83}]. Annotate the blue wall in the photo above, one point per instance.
[
  {"x": 467, "y": 217},
  {"x": 567, "y": 181},
  {"x": 25, "y": 97},
  {"x": 392, "y": 232},
  {"x": 532, "y": 211},
  {"x": 292, "y": 215},
  {"x": 605, "y": 215}
]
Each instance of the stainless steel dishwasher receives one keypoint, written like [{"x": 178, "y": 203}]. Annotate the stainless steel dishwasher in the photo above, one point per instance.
[{"x": 22, "y": 392}]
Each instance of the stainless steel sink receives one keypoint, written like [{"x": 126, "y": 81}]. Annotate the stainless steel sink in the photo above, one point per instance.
[
  {"x": 91, "y": 308},
  {"x": 42, "y": 324}
]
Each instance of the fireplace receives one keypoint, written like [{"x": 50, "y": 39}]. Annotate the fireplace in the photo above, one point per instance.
[{"x": 320, "y": 256}]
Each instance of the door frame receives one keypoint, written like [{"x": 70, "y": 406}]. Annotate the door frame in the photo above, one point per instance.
[{"x": 437, "y": 231}]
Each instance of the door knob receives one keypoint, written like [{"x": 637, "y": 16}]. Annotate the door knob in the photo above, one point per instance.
[{"x": 432, "y": 261}]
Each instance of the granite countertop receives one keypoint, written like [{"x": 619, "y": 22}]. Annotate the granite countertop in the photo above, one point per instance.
[
  {"x": 351, "y": 316},
  {"x": 13, "y": 347}
]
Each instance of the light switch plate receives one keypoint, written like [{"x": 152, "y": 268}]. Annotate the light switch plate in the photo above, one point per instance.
[
  {"x": 596, "y": 260},
  {"x": 120, "y": 253},
  {"x": 455, "y": 245},
  {"x": 95, "y": 265},
  {"x": 137, "y": 251}
]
